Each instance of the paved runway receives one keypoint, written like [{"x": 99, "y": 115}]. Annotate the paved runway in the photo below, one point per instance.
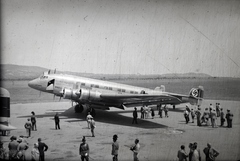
[{"x": 160, "y": 138}]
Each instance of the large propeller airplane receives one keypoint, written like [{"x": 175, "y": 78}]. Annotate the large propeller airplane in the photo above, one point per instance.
[{"x": 92, "y": 93}]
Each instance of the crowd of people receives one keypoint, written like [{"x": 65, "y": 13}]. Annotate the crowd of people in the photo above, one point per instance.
[
  {"x": 18, "y": 146},
  {"x": 209, "y": 116},
  {"x": 195, "y": 153}
]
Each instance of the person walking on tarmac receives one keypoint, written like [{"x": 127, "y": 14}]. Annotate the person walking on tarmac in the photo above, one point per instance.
[
  {"x": 84, "y": 150},
  {"x": 57, "y": 121},
  {"x": 115, "y": 147},
  {"x": 88, "y": 119}
]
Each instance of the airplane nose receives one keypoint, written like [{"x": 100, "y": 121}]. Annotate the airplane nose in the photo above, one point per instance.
[{"x": 30, "y": 83}]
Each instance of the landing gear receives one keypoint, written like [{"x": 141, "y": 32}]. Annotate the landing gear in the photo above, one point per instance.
[{"x": 174, "y": 107}]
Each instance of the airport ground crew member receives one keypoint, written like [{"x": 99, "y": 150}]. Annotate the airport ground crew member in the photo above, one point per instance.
[
  {"x": 42, "y": 147},
  {"x": 135, "y": 115},
  {"x": 84, "y": 150},
  {"x": 115, "y": 147},
  {"x": 92, "y": 126},
  {"x": 28, "y": 127},
  {"x": 57, "y": 121},
  {"x": 182, "y": 155},
  {"x": 33, "y": 121},
  {"x": 135, "y": 150},
  {"x": 229, "y": 117}
]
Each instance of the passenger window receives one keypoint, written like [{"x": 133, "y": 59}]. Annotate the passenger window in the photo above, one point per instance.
[
  {"x": 83, "y": 84},
  {"x": 110, "y": 88},
  {"x": 123, "y": 90},
  {"x": 96, "y": 86}
]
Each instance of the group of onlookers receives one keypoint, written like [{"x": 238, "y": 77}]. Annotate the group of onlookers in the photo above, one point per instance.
[
  {"x": 209, "y": 116},
  {"x": 195, "y": 154},
  {"x": 17, "y": 149}
]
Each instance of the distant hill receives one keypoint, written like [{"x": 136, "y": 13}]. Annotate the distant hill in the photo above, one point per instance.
[{"x": 19, "y": 72}]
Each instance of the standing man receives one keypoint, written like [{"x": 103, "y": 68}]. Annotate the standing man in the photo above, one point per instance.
[
  {"x": 193, "y": 115},
  {"x": 89, "y": 116},
  {"x": 153, "y": 113},
  {"x": 135, "y": 115},
  {"x": 92, "y": 126},
  {"x": 42, "y": 147},
  {"x": 12, "y": 146},
  {"x": 186, "y": 116},
  {"x": 160, "y": 111},
  {"x": 210, "y": 153},
  {"x": 222, "y": 117},
  {"x": 33, "y": 121},
  {"x": 135, "y": 150},
  {"x": 22, "y": 147},
  {"x": 229, "y": 117},
  {"x": 28, "y": 127},
  {"x": 182, "y": 155},
  {"x": 142, "y": 113},
  {"x": 57, "y": 121},
  {"x": 198, "y": 114},
  {"x": 84, "y": 150},
  {"x": 213, "y": 117},
  {"x": 165, "y": 108},
  {"x": 115, "y": 147}
]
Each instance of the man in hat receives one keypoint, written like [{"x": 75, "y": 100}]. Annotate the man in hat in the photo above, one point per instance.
[
  {"x": 42, "y": 147},
  {"x": 115, "y": 147},
  {"x": 135, "y": 150},
  {"x": 229, "y": 117},
  {"x": 84, "y": 150},
  {"x": 12, "y": 146}
]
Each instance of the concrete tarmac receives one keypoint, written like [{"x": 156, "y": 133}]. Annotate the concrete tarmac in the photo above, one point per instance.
[{"x": 160, "y": 138}]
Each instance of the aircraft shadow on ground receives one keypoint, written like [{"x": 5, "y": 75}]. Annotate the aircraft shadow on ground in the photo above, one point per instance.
[{"x": 110, "y": 117}]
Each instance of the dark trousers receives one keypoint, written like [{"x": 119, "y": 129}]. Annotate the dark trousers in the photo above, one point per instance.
[
  {"x": 57, "y": 126},
  {"x": 115, "y": 157},
  {"x": 84, "y": 157},
  {"x": 41, "y": 157},
  {"x": 229, "y": 123},
  {"x": 134, "y": 120}
]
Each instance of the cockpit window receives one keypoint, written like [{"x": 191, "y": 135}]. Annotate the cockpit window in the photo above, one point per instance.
[{"x": 43, "y": 77}]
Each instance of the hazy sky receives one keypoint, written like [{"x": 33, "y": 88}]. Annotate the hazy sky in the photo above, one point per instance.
[{"x": 123, "y": 36}]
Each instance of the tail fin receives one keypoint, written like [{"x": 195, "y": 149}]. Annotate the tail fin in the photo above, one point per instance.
[{"x": 197, "y": 94}]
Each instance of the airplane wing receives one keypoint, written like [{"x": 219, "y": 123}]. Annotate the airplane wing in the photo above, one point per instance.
[{"x": 139, "y": 99}]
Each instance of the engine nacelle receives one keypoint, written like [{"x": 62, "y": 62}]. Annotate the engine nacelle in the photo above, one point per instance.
[
  {"x": 70, "y": 94},
  {"x": 89, "y": 95}
]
